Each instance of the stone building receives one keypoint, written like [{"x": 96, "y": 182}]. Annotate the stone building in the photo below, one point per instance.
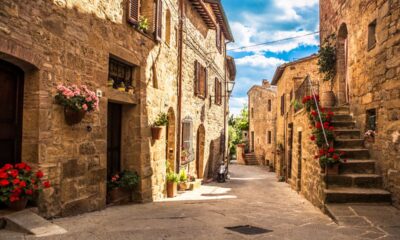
[
  {"x": 368, "y": 76},
  {"x": 178, "y": 66},
  {"x": 262, "y": 122}
]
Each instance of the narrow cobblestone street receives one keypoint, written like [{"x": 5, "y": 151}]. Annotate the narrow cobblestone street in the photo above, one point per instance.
[{"x": 252, "y": 197}]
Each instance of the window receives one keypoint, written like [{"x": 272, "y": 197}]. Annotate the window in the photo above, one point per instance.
[
  {"x": 371, "y": 119},
  {"x": 372, "y": 35},
  {"x": 283, "y": 104},
  {"x": 269, "y": 105},
  {"x": 200, "y": 80},
  {"x": 252, "y": 112},
  {"x": 133, "y": 11},
  {"x": 218, "y": 38},
  {"x": 218, "y": 92},
  {"x": 168, "y": 27},
  {"x": 158, "y": 15},
  {"x": 120, "y": 74},
  {"x": 269, "y": 137}
]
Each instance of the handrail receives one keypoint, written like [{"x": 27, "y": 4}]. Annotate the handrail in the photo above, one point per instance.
[{"x": 318, "y": 110}]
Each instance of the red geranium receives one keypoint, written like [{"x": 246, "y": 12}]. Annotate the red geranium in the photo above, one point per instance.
[
  {"x": 314, "y": 113},
  {"x": 318, "y": 125},
  {"x": 4, "y": 182},
  {"x": 3, "y": 175},
  {"x": 331, "y": 150},
  {"x": 46, "y": 184},
  {"x": 312, "y": 138},
  {"x": 13, "y": 173},
  {"x": 39, "y": 174}
]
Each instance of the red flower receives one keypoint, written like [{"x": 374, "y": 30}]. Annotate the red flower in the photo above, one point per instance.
[
  {"x": 22, "y": 184},
  {"x": 39, "y": 174},
  {"x": 28, "y": 192},
  {"x": 336, "y": 157},
  {"x": 27, "y": 168},
  {"x": 13, "y": 173},
  {"x": 321, "y": 152},
  {"x": 342, "y": 153},
  {"x": 312, "y": 138},
  {"x": 17, "y": 191},
  {"x": 7, "y": 167},
  {"x": 317, "y": 97},
  {"x": 20, "y": 165},
  {"x": 4, "y": 182},
  {"x": 33, "y": 180},
  {"x": 16, "y": 181},
  {"x": 326, "y": 125},
  {"x": 46, "y": 184},
  {"x": 314, "y": 113},
  {"x": 14, "y": 198},
  {"x": 3, "y": 175},
  {"x": 330, "y": 114},
  {"x": 331, "y": 128},
  {"x": 318, "y": 125},
  {"x": 331, "y": 150}
]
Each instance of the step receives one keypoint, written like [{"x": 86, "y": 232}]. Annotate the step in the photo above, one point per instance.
[
  {"x": 356, "y": 195},
  {"x": 356, "y": 153},
  {"x": 357, "y": 166},
  {"x": 349, "y": 143},
  {"x": 340, "y": 109},
  {"x": 347, "y": 133},
  {"x": 342, "y": 117},
  {"x": 344, "y": 124},
  {"x": 355, "y": 180}
]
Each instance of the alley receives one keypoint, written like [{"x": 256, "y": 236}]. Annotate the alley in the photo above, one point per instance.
[{"x": 252, "y": 197}]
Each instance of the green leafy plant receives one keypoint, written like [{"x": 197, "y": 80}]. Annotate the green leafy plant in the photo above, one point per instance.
[
  {"x": 126, "y": 179},
  {"x": 296, "y": 105},
  {"x": 161, "y": 120},
  {"x": 143, "y": 24},
  {"x": 183, "y": 177},
  {"x": 327, "y": 59},
  {"x": 77, "y": 98},
  {"x": 172, "y": 177}
]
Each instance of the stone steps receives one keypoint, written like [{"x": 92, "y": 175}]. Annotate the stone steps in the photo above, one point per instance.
[
  {"x": 344, "y": 124},
  {"x": 341, "y": 133},
  {"x": 355, "y": 153},
  {"x": 342, "y": 117},
  {"x": 357, "y": 166},
  {"x": 365, "y": 180},
  {"x": 356, "y": 195},
  {"x": 251, "y": 159},
  {"x": 349, "y": 143}
]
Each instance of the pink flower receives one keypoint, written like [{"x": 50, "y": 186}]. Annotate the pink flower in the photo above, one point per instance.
[
  {"x": 85, "y": 107},
  {"x": 88, "y": 99}
]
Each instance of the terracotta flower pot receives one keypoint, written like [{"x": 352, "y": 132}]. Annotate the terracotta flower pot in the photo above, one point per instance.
[
  {"x": 18, "y": 205},
  {"x": 156, "y": 132},
  {"x": 73, "y": 117},
  {"x": 183, "y": 186},
  {"x": 118, "y": 195},
  {"x": 328, "y": 99},
  {"x": 171, "y": 189},
  {"x": 332, "y": 170}
]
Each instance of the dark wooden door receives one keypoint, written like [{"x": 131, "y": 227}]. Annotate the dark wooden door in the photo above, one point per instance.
[
  {"x": 114, "y": 139},
  {"x": 11, "y": 97}
]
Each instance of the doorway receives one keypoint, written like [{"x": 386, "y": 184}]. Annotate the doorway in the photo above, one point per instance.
[
  {"x": 201, "y": 141},
  {"x": 290, "y": 151},
  {"x": 11, "y": 103},
  {"x": 342, "y": 65},
  {"x": 252, "y": 142},
  {"x": 114, "y": 122},
  {"x": 173, "y": 165}
]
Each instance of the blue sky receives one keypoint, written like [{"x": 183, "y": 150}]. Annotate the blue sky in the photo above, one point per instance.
[{"x": 258, "y": 21}]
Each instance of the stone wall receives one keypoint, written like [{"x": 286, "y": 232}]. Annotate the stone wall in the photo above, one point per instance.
[
  {"x": 262, "y": 121},
  {"x": 372, "y": 73}
]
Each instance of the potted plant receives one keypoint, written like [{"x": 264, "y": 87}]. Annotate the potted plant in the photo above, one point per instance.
[
  {"x": 183, "y": 180},
  {"x": 296, "y": 105},
  {"x": 77, "y": 101},
  {"x": 121, "y": 87},
  {"x": 121, "y": 186},
  {"x": 327, "y": 66},
  {"x": 143, "y": 24},
  {"x": 330, "y": 160},
  {"x": 172, "y": 184},
  {"x": 161, "y": 120},
  {"x": 19, "y": 184},
  {"x": 110, "y": 83}
]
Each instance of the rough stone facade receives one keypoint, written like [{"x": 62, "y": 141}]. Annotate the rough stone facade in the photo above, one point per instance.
[
  {"x": 368, "y": 72},
  {"x": 262, "y": 122},
  {"x": 71, "y": 42}
]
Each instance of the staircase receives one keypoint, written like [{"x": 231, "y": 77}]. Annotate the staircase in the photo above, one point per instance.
[
  {"x": 357, "y": 180},
  {"x": 250, "y": 159}
]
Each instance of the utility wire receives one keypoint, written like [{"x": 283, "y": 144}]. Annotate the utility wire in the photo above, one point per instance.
[{"x": 275, "y": 41}]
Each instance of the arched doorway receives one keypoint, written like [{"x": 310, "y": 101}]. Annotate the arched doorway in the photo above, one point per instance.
[
  {"x": 201, "y": 141},
  {"x": 171, "y": 140},
  {"x": 11, "y": 103},
  {"x": 343, "y": 91}
]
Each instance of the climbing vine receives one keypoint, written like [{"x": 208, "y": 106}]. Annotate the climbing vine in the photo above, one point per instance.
[{"x": 327, "y": 59}]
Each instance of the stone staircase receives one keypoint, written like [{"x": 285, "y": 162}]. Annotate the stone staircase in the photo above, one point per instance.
[
  {"x": 250, "y": 159},
  {"x": 357, "y": 181}
]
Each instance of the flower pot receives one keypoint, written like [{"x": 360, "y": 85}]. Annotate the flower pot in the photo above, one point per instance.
[
  {"x": 118, "y": 194},
  {"x": 171, "y": 189},
  {"x": 332, "y": 170},
  {"x": 18, "y": 205},
  {"x": 72, "y": 116},
  {"x": 183, "y": 186},
  {"x": 328, "y": 99},
  {"x": 156, "y": 132}
]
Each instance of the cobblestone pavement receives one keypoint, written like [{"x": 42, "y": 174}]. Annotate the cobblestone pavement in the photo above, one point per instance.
[{"x": 252, "y": 197}]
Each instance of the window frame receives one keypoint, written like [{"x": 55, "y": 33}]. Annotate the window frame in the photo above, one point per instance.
[
  {"x": 372, "y": 35},
  {"x": 201, "y": 83}
]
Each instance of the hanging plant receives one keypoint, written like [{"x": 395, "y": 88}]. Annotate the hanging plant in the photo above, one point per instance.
[{"x": 327, "y": 59}]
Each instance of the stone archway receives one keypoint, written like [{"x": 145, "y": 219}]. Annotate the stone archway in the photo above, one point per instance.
[
  {"x": 201, "y": 141},
  {"x": 342, "y": 86},
  {"x": 171, "y": 137}
]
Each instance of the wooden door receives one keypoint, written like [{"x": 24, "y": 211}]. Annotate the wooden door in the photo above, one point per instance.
[
  {"x": 11, "y": 100},
  {"x": 114, "y": 139},
  {"x": 290, "y": 150}
]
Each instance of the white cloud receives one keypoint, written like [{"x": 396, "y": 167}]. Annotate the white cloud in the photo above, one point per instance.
[
  {"x": 259, "y": 61},
  {"x": 236, "y": 104}
]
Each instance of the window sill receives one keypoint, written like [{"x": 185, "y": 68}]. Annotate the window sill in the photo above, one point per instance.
[
  {"x": 121, "y": 97},
  {"x": 371, "y": 47}
]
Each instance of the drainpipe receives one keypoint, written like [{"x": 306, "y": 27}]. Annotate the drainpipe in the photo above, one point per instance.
[{"x": 180, "y": 76}]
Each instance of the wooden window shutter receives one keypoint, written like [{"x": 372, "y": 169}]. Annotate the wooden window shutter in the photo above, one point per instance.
[
  {"x": 205, "y": 82},
  {"x": 216, "y": 90},
  {"x": 196, "y": 77},
  {"x": 283, "y": 104},
  {"x": 158, "y": 28},
  {"x": 218, "y": 38},
  {"x": 133, "y": 11}
]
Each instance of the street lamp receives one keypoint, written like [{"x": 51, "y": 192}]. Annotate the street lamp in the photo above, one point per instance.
[{"x": 230, "y": 85}]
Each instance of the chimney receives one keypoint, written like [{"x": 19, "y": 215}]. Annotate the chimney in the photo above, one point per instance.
[{"x": 265, "y": 83}]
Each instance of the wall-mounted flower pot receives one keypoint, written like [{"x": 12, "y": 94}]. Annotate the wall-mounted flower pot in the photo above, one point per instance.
[
  {"x": 18, "y": 205},
  {"x": 73, "y": 117},
  {"x": 328, "y": 99},
  {"x": 332, "y": 170},
  {"x": 172, "y": 188},
  {"x": 156, "y": 132}
]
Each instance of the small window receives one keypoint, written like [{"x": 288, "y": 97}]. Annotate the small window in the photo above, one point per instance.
[
  {"x": 120, "y": 74},
  {"x": 269, "y": 105},
  {"x": 218, "y": 92},
  {"x": 218, "y": 38},
  {"x": 252, "y": 112},
  {"x": 283, "y": 104},
  {"x": 133, "y": 11},
  {"x": 269, "y": 137},
  {"x": 371, "y": 119},
  {"x": 168, "y": 27},
  {"x": 372, "y": 35},
  {"x": 200, "y": 80},
  {"x": 158, "y": 20}
]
